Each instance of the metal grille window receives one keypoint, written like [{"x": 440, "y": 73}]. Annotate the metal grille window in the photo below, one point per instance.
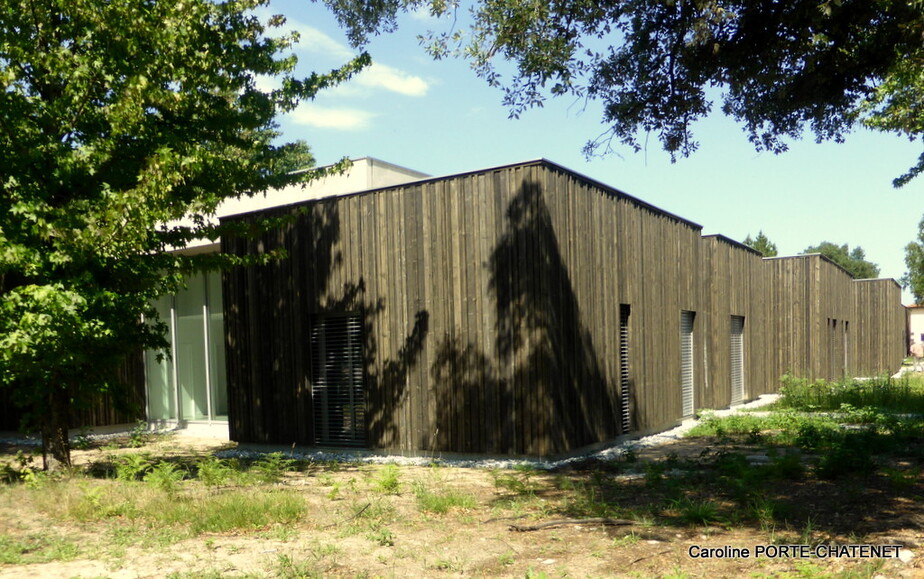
[
  {"x": 337, "y": 380},
  {"x": 834, "y": 351},
  {"x": 846, "y": 346},
  {"x": 624, "y": 394},
  {"x": 737, "y": 359},
  {"x": 686, "y": 361}
]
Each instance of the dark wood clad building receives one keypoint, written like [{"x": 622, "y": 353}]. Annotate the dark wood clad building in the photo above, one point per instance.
[{"x": 526, "y": 310}]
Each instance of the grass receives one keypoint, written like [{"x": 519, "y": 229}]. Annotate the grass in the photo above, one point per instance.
[
  {"x": 158, "y": 502},
  {"x": 42, "y": 548},
  {"x": 697, "y": 512},
  {"x": 317, "y": 562},
  {"x": 848, "y": 426},
  {"x": 815, "y": 457},
  {"x": 903, "y": 395},
  {"x": 238, "y": 510},
  {"x": 441, "y": 501}
]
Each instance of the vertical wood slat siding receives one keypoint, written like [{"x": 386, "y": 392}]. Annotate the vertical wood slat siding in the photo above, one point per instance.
[
  {"x": 101, "y": 410},
  {"x": 491, "y": 310},
  {"x": 736, "y": 284},
  {"x": 491, "y": 304}
]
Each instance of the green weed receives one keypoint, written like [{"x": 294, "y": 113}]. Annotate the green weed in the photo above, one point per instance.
[
  {"x": 165, "y": 476},
  {"x": 902, "y": 478},
  {"x": 387, "y": 481},
  {"x": 881, "y": 393},
  {"x": 441, "y": 502},
  {"x": 42, "y": 548},
  {"x": 131, "y": 467},
  {"x": 626, "y": 540},
  {"x": 318, "y": 562},
  {"x": 702, "y": 512},
  {"x": 518, "y": 482},
  {"x": 851, "y": 455},
  {"x": 271, "y": 468},
  {"x": 787, "y": 466},
  {"x": 139, "y": 435},
  {"x": 214, "y": 472},
  {"x": 235, "y": 511},
  {"x": 82, "y": 440},
  {"x": 383, "y": 537}
]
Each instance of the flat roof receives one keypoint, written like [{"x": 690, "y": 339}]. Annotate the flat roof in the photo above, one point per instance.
[{"x": 535, "y": 162}]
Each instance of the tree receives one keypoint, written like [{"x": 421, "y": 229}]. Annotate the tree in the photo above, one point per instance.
[
  {"x": 762, "y": 244},
  {"x": 827, "y": 64},
  {"x": 117, "y": 118},
  {"x": 854, "y": 261},
  {"x": 914, "y": 260}
]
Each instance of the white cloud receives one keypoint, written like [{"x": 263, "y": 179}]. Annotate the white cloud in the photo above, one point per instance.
[
  {"x": 331, "y": 118},
  {"x": 384, "y": 76},
  {"x": 313, "y": 40},
  {"x": 376, "y": 76},
  {"x": 423, "y": 13},
  {"x": 267, "y": 84}
]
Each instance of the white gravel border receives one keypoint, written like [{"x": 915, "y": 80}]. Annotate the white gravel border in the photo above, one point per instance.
[{"x": 610, "y": 453}]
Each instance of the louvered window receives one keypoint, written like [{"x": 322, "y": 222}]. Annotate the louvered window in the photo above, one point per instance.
[
  {"x": 737, "y": 359},
  {"x": 846, "y": 346},
  {"x": 337, "y": 380},
  {"x": 686, "y": 361},
  {"x": 624, "y": 394}
]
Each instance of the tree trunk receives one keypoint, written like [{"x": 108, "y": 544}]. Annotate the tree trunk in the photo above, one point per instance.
[{"x": 56, "y": 446}]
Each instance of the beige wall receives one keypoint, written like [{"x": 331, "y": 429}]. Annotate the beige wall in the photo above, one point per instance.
[
  {"x": 915, "y": 324},
  {"x": 364, "y": 174}
]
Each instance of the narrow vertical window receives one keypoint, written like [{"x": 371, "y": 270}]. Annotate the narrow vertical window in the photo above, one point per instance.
[
  {"x": 337, "y": 380},
  {"x": 686, "y": 361},
  {"x": 624, "y": 393},
  {"x": 846, "y": 346},
  {"x": 737, "y": 359}
]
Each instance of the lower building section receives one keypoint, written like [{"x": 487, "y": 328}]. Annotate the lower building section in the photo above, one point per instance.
[{"x": 522, "y": 310}]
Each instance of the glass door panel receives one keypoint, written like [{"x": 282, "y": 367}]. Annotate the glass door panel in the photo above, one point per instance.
[
  {"x": 219, "y": 389},
  {"x": 190, "y": 349},
  {"x": 161, "y": 399}
]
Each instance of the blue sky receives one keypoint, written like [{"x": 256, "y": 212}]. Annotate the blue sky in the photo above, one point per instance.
[{"x": 438, "y": 117}]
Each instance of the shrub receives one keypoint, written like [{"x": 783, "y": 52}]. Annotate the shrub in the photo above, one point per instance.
[
  {"x": 851, "y": 455},
  {"x": 213, "y": 472},
  {"x": 272, "y": 467},
  {"x": 165, "y": 476},
  {"x": 697, "y": 512},
  {"x": 881, "y": 393},
  {"x": 387, "y": 481},
  {"x": 131, "y": 467}
]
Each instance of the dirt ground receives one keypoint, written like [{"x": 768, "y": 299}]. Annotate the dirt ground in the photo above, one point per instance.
[{"x": 479, "y": 541}]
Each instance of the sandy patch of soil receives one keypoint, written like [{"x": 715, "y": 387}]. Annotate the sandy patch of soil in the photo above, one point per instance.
[{"x": 399, "y": 539}]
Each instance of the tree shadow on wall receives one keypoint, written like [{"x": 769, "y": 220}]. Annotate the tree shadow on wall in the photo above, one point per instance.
[
  {"x": 269, "y": 312},
  {"x": 385, "y": 384},
  {"x": 544, "y": 391}
]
